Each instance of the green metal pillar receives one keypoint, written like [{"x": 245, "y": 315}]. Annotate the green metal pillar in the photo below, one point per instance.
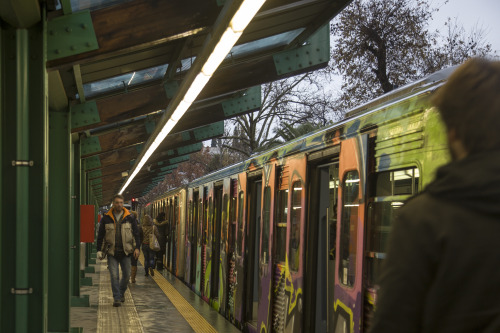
[
  {"x": 75, "y": 227},
  {"x": 59, "y": 228},
  {"x": 24, "y": 174}
]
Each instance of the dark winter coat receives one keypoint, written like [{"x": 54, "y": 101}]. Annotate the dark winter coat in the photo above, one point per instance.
[
  {"x": 442, "y": 272},
  {"x": 129, "y": 232},
  {"x": 163, "y": 231}
]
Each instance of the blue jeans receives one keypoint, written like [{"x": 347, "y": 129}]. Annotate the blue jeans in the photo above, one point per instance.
[
  {"x": 119, "y": 286},
  {"x": 149, "y": 257}
]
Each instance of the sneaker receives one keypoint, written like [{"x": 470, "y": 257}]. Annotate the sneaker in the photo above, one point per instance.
[
  {"x": 122, "y": 299},
  {"x": 151, "y": 271},
  {"x": 116, "y": 304}
]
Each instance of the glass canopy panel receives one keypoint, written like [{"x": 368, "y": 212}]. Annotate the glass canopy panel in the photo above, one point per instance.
[
  {"x": 78, "y": 5},
  {"x": 264, "y": 44},
  {"x": 186, "y": 64},
  {"x": 121, "y": 82}
]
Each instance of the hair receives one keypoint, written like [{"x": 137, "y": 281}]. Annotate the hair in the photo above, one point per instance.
[
  {"x": 146, "y": 220},
  {"x": 119, "y": 196},
  {"x": 469, "y": 103}
]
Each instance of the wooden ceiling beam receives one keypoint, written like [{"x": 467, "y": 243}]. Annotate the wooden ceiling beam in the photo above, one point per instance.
[{"x": 136, "y": 25}]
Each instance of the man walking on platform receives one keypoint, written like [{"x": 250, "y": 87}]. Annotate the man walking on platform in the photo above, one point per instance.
[
  {"x": 117, "y": 231},
  {"x": 441, "y": 273}
]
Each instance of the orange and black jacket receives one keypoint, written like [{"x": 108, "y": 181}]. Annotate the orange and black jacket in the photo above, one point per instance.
[{"x": 129, "y": 232}]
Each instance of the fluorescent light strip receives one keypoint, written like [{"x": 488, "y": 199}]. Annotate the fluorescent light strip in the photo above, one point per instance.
[{"x": 238, "y": 23}]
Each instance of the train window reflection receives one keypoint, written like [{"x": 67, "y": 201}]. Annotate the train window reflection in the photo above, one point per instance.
[
  {"x": 294, "y": 247},
  {"x": 265, "y": 225},
  {"x": 240, "y": 224},
  {"x": 281, "y": 226},
  {"x": 349, "y": 228},
  {"x": 396, "y": 182}
]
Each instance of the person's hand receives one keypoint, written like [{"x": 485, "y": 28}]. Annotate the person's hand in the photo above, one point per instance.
[
  {"x": 136, "y": 253},
  {"x": 99, "y": 255}
]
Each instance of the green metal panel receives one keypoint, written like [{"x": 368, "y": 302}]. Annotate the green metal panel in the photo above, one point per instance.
[
  {"x": 150, "y": 126},
  {"x": 209, "y": 131},
  {"x": 179, "y": 159},
  {"x": 221, "y": 3},
  {"x": 90, "y": 145},
  {"x": 195, "y": 147},
  {"x": 171, "y": 88},
  {"x": 70, "y": 34},
  {"x": 132, "y": 162},
  {"x": 170, "y": 152},
  {"x": 24, "y": 175},
  {"x": 95, "y": 174},
  {"x": 59, "y": 228},
  {"x": 316, "y": 50},
  {"x": 97, "y": 187},
  {"x": 160, "y": 163},
  {"x": 92, "y": 162},
  {"x": 96, "y": 181},
  {"x": 186, "y": 136},
  {"x": 170, "y": 167},
  {"x": 139, "y": 147},
  {"x": 78, "y": 178},
  {"x": 84, "y": 114},
  {"x": 250, "y": 100}
]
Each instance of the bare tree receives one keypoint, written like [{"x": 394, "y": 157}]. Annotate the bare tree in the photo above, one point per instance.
[{"x": 383, "y": 44}]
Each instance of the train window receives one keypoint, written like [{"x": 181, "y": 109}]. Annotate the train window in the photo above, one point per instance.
[
  {"x": 225, "y": 201},
  {"x": 294, "y": 247},
  {"x": 332, "y": 209},
  {"x": 240, "y": 223},
  {"x": 396, "y": 182},
  {"x": 265, "y": 225},
  {"x": 349, "y": 228},
  {"x": 281, "y": 226}
]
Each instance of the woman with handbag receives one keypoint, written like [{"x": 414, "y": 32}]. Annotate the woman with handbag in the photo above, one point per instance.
[{"x": 149, "y": 236}]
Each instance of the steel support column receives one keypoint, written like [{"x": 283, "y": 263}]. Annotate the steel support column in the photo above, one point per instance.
[
  {"x": 59, "y": 228},
  {"x": 24, "y": 173},
  {"x": 75, "y": 226}
]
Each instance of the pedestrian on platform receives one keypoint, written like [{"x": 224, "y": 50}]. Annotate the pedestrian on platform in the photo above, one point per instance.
[
  {"x": 133, "y": 259},
  {"x": 147, "y": 229},
  {"x": 441, "y": 273},
  {"x": 117, "y": 232},
  {"x": 161, "y": 224}
]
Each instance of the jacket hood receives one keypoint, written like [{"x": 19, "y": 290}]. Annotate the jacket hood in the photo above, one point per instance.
[
  {"x": 126, "y": 212},
  {"x": 472, "y": 182},
  {"x": 160, "y": 223}
]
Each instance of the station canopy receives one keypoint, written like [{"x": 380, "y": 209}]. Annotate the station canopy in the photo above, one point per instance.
[{"x": 123, "y": 67}]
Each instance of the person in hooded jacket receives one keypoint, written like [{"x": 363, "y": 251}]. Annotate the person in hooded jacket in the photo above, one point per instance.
[
  {"x": 161, "y": 224},
  {"x": 442, "y": 271},
  {"x": 148, "y": 227}
]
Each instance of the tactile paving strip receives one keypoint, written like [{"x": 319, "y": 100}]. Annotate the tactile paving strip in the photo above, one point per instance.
[
  {"x": 194, "y": 319},
  {"x": 122, "y": 319}
]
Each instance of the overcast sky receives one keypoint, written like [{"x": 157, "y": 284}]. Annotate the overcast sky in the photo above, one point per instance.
[{"x": 483, "y": 13}]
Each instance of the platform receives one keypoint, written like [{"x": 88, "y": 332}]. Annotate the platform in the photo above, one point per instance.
[{"x": 156, "y": 304}]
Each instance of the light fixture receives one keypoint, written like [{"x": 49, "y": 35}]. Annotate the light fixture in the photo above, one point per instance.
[{"x": 233, "y": 32}]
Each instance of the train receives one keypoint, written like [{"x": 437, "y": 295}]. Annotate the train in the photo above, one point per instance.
[{"x": 292, "y": 239}]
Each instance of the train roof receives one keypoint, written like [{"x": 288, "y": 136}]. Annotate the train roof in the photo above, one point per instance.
[{"x": 419, "y": 87}]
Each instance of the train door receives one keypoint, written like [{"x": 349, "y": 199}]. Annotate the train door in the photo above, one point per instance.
[
  {"x": 169, "y": 233},
  {"x": 266, "y": 248},
  {"x": 223, "y": 245},
  {"x": 348, "y": 301},
  {"x": 208, "y": 206},
  {"x": 181, "y": 234},
  {"x": 241, "y": 252},
  {"x": 252, "y": 281},
  {"x": 216, "y": 245},
  {"x": 199, "y": 243},
  {"x": 321, "y": 243},
  {"x": 189, "y": 236},
  {"x": 194, "y": 238},
  {"x": 175, "y": 227},
  {"x": 231, "y": 248}
]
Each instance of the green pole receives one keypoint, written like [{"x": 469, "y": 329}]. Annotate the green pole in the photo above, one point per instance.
[
  {"x": 59, "y": 228},
  {"x": 77, "y": 166},
  {"x": 22, "y": 178}
]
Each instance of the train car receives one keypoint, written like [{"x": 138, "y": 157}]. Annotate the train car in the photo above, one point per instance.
[{"x": 293, "y": 239}]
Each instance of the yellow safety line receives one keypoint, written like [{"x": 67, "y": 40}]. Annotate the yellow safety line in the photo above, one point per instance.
[{"x": 194, "y": 319}]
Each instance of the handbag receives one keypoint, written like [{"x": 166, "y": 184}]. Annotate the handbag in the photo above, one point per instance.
[{"x": 153, "y": 241}]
